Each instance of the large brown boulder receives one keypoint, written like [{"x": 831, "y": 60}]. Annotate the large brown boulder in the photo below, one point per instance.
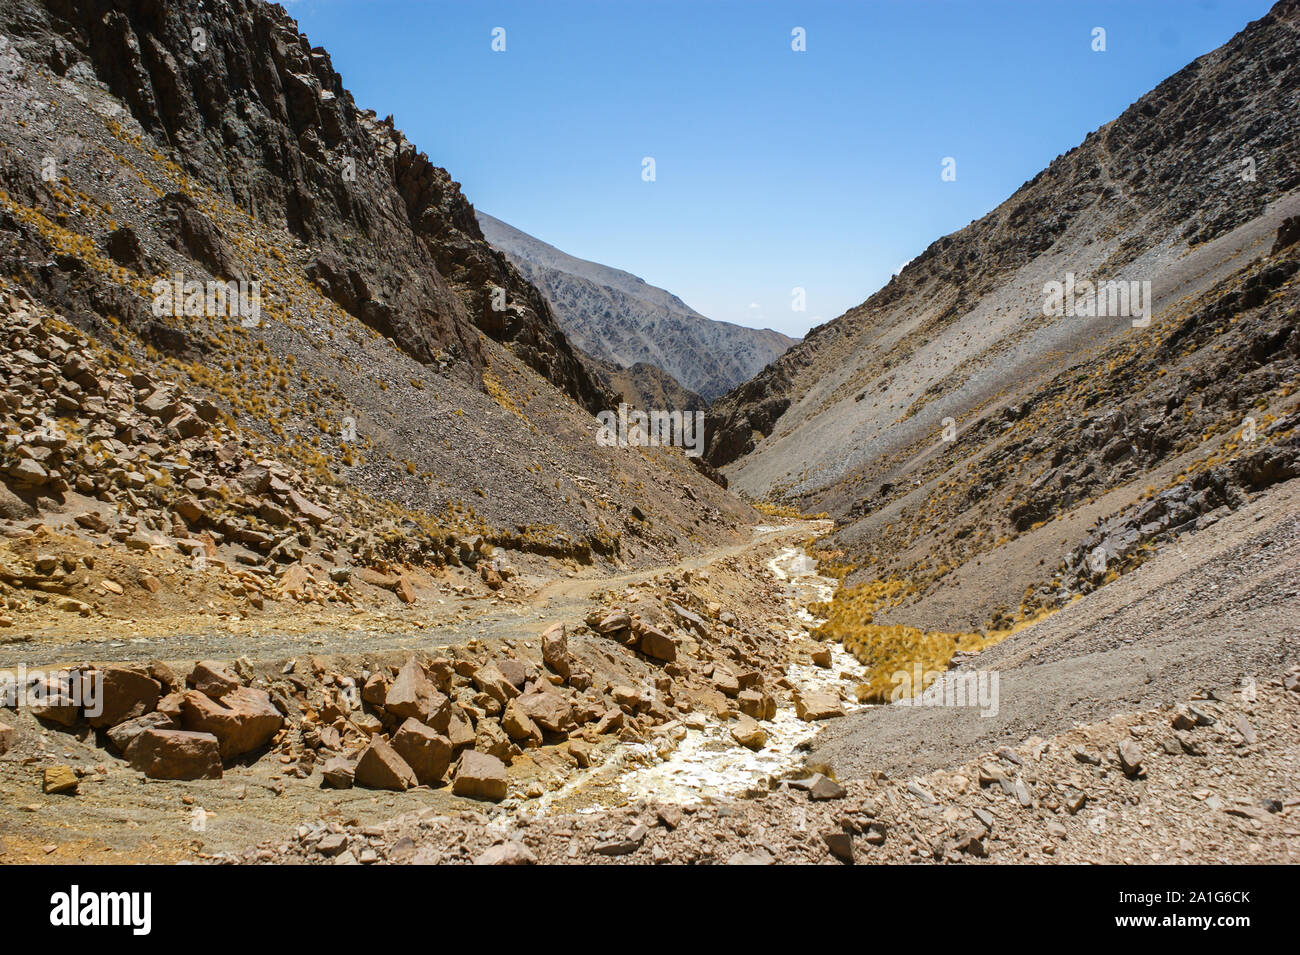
[
  {"x": 116, "y": 694},
  {"x": 123, "y": 734},
  {"x": 817, "y": 706},
  {"x": 548, "y": 710},
  {"x": 490, "y": 680},
  {"x": 54, "y": 699},
  {"x": 518, "y": 725},
  {"x": 480, "y": 776},
  {"x": 175, "y": 754},
  {"x": 212, "y": 679},
  {"x": 490, "y": 738},
  {"x": 380, "y": 767},
  {"x": 426, "y": 751},
  {"x": 460, "y": 730},
  {"x": 555, "y": 650},
  {"x": 244, "y": 719},
  {"x": 413, "y": 696},
  {"x": 657, "y": 644}
]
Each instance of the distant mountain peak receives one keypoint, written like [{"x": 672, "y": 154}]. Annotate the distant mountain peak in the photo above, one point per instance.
[{"x": 620, "y": 318}]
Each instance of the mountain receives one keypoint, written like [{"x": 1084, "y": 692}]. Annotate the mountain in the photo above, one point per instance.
[
  {"x": 646, "y": 386},
  {"x": 619, "y": 318},
  {"x": 376, "y": 373},
  {"x": 988, "y": 456}
]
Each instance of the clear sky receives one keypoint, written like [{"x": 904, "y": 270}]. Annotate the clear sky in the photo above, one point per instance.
[{"x": 774, "y": 169}]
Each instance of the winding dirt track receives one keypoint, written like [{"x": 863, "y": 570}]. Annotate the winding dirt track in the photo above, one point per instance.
[{"x": 524, "y": 615}]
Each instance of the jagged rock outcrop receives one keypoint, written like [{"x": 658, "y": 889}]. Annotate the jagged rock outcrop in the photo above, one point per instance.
[{"x": 255, "y": 112}]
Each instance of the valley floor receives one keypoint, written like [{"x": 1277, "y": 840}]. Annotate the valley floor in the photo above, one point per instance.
[{"x": 1156, "y": 719}]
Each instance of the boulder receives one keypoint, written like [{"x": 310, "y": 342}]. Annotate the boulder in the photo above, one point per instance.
[
  {"x": 244, "y": 719},
  {"x": 427, "y": 752},
  {"x": 581, "y": 752},
  {"x": 375, "y": 690},
  {"x": 122, "y": 735},
  {"x": 549, "y": 710},
  {"x": 165, "y": 676},
  {"x": 459, "y": 730},
  {"x": 840, "y": 844},
  {"x": 610, "y": 623},
  {"x": 626, "y": 697},
  {"x": 413, "y": 695},
  {"x": 749, "y": 734},
  {"x": 517, "y": 724},
  {"x": 338, "y": 773},
  {"x": 816, "y": 706},
  {"x": 751, "y": 703},
  {"x": 490, "y": 738},
  {"x": 212, "y": 679},
  {"x": 173, "y": 704},
  {"x": 492, "y": 681},
  {"x": 7, "y": 737},
  {"x": 254, "y": 479},
  {"x": 508, "y": 852},
  {"x": 405, "y": 589},
  {"x": 175, "y": 754},
  {"x": 51, "y": 699},
  {"x": 555, "y": 650},
  {"x": 658, "y": 645},
  {"x": 380, "y": 767},
  {"x": 726, "y": 681},
  {"x": 480, "y": 776},
  {"x": 822, "y": 788},
  {"x": 611, "y": 722},
  {"x": 376, "y": 578},
  {"x": 1130, "y": 759},
  {"x": 58, "y": 779},
  {"x": 116, "y": 694},
  {"x": 314, "y": 513},
  {"x": 514, "y": 671}
]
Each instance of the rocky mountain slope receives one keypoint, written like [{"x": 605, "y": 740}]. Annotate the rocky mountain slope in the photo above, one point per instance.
[
  {"x": 645, "y": 386},
  {"x": 987, "y": 461},
  {"x": 617, "y": 317},
  {"x": 393, "y": 388}
]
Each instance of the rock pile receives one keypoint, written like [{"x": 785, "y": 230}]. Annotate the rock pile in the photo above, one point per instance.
[
  {"x": 1171, "y": 784},
  {"x": 162, "y": 726},
  {"x": 140, "y": 465}
]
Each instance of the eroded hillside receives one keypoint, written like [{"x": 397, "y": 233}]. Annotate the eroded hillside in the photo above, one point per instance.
[
  {"x": 396, "y": 386},
  {"x": 986, "y": 461}
]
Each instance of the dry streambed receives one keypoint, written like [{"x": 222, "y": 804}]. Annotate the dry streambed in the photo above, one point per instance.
[{"x": 701, "y": 760}]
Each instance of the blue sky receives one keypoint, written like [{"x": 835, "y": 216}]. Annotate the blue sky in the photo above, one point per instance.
[{"x": 774, "y": 169}]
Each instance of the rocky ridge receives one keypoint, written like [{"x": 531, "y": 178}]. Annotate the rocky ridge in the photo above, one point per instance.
[
  {"x": 986, "y": 462},
  {"x": 618, "y": 318}
]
